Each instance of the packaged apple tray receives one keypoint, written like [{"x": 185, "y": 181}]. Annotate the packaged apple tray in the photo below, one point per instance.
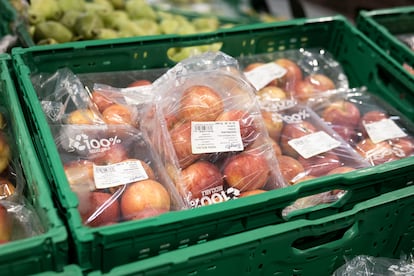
[
  {"x": 392, "y": 30},
  {"x": 106, "y": 247},
  {"x": 42, "y": 243}
]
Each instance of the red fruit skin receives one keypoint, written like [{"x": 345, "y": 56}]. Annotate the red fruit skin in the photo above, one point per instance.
[
  {"x": 376, "y": 153},
  {"x": 139, "y": 83},
  {"x": 290, "y": 168},
  {"x": 114, "y": 154},
  {"x": 320, "y": 164},
  {"x": 293, "y": 74},
  {"x": 293, "y": 131},
  {"x": 248, "y": 129},
  {"x": 246, "y": 171},
  {"x": 200, "y": 103},
  {"x": 403, "y": 147},
  {"x": 101, "y": 102},
  {"x": 200, "y": 176},
  {"x": 181, "y": 139},
  {"x": 342, "y": 113},
  {"x": 371, "y": 117},
  {"x": 143, "y": 199},
  {"x": 108, "y": 215}
]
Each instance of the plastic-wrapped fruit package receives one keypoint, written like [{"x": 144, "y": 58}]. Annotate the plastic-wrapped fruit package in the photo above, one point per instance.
[
  {"x": 18, "y": 218},
  {"x": 206, "y": 125},
  {"x": 110, "y": 165},
  {"x": 377, "y": 131},
  {"x": 308, "y": 148},
  {"x": 293, "y": 74}
]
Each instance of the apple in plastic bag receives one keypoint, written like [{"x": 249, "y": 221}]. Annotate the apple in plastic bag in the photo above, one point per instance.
[
  {"x": 273, "y": 124},
  {"x": 83, "y": 117},
  {"x": 320, "y": 164},
  {"x": 5, "y": 152},
  {"x": 5, "y": 225},
  {"x": 252, "y": 192},
  {"x": 115, "y": 153},
  {"x": 143, "y": 199},
  {"x": 200, "y": 176},
  {"x": 293, "y": 131},
  {"x": 118, "y": 114},
  {"x": 246, "y": 171},
  {"x": 402, "y": 147},
  {"x": 293, "y": 74},
  {"x": 98, "y": 208},
  {"x": 137, "y": 83},
  {"x": 290, "y": 168},
  {"x": 375, "y": 153},
  {"x": 80, "y": 172},
  {"x": 200, "y": 103},
  {"x": 252, "y": 66},
  {"x": 342, "y": 113},
  {"x": 248, "y": 127},
  {"x": 271, "y": 93},
  {"x": 371, "y": 117},
  {"x": 100, "y": 100},
  {"x": 180, "y": 136},
  {"x": 312, "y": 85}
]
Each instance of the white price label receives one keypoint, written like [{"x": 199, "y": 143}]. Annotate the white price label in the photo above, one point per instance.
[
  {"x": 262, "y": 75},
  {"x": 219, "y": 136},
  {"x": 107, "y": 176},
  {"x": 314, "y": 144},
  {"x": 384, "y": 130}
]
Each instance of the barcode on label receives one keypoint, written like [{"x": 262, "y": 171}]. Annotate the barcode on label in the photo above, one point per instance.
[
  {"x": 203, "y": 128},
  {"x": 105, "y": 169}
]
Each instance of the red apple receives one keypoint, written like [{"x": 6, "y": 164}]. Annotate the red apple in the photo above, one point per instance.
[
  {"x": 311, "y": 86},
  {"x": 144, "y": 198},
  {"x": 118, "y": 114},
  {"x": 83, "y": 117},
  {"x": 320, "y": 164},
  {"x": 199, "y": 177},
  {"x": 402, "y": 147},
  {"x": 98, "y": 209},
  {"x": 5, "y": 225},
  {"x": 200, "y": 103},
  {"x": 340, "y": 170},
  {"x": 290, "y": 168},
  {"x": 371, "y": 117},
  {"x": 342, "y": 113},
  {"x": 273, "y": 123},
  {"x": 79, "y": 172},
  {"x": 271, "y": 93},
  {"x": 251, "y": 192},
  {"x": 137, "y": 83},
  {"x": 292, "y": 76},
  {"x": 246, "y": 171},
  {"x": 293, "y": 131},
  {"x": 252, "y": 66},
  {"x": 181, "y": 139},
  {"x": 112, "y": 154},
  {"x": 248, "y": 127},
  {"x": 304, "y": 178},
  {"x": 100, "y": 100},
  {"x": 348, "y": 133},
  {"x": 320, "y": 82},
  {"x": 409, "y": 68},
  {"x": 376, "y": 153},
  {"x": 5, "y": 152}
]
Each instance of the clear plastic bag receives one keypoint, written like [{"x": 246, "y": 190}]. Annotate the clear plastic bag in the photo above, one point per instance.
[
  {"x": 377, "y": 131},
  {"x": 293, "y": 74},
  {"x": 207, "y": 127},
  {"x": 109, "y": 164},
  {"x": 364, "y": 265}
]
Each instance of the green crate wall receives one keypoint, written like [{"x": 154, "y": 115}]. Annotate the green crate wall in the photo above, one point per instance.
[{"x": 47, "y": 251}]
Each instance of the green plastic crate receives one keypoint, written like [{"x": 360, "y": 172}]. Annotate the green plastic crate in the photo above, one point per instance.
[
  {"x": 379, "y": 227},
  {"x": 107, "y": 247},
  {"x": 47, "y": 251},
  {"x": 69, "y": 270},
  {"x": 8, "y": 14},
  {"x": 382, "y": 26}
]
